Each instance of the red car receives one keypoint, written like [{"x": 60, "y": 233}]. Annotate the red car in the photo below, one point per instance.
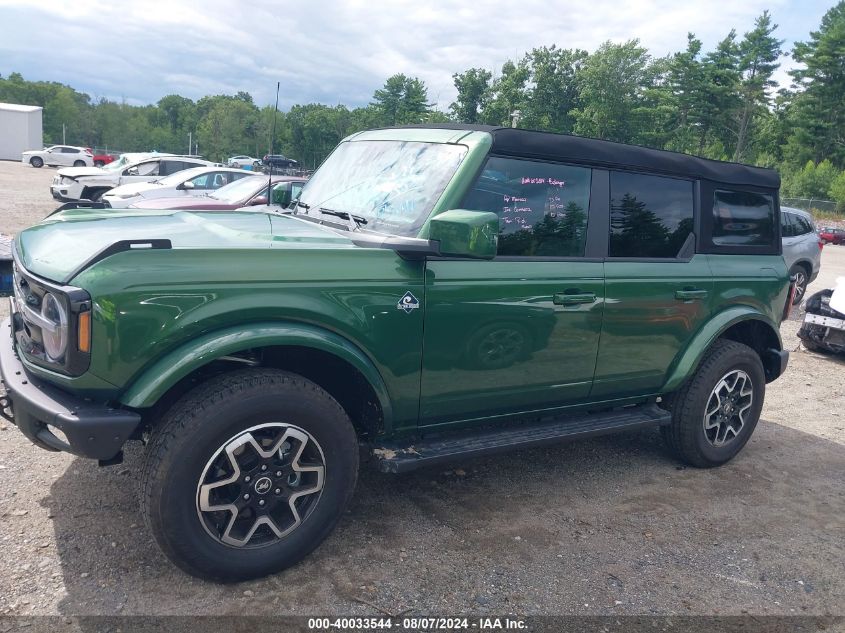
[
  {"x": 832, "y": 235},
  {"x": 245, "y": 192}
]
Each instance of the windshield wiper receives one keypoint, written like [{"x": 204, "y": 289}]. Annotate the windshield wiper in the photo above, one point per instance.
[
  {"x": 297, "y": 204},
  {"x": 354, "y": 220}
]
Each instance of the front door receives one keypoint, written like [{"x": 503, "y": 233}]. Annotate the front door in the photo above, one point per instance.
[{"x": 520, "y": 333}]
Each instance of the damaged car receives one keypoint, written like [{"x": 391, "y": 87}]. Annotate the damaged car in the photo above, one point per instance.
[{"x": 823, "y": 329}]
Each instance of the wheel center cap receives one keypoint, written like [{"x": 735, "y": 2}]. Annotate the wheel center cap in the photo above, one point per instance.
[{"x": 262, "y": 485}]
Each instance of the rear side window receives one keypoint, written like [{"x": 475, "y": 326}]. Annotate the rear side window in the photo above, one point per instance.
[
  {"x": 787, "y": 226},
  {"x": 743, "y": 218},
  {"x": 802, "y": 224},
  {"x": 542, "y": 207},
  {"x": 650, "y": 216}
]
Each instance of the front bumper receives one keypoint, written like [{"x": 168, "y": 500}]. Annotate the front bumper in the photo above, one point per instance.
[{"x": 92, "y": 429}]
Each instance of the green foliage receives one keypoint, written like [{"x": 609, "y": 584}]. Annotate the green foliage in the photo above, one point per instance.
[
  {"x": 818, "y": 117},
  {"x": 611, "y": 84},
  {"x": 401, "y": 101},
  {"x": 473, "y": 88},
  {"x": 837, "y": 192}
]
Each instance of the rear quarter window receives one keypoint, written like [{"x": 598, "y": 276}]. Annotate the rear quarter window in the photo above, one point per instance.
[{"x": 743, "y": 218}]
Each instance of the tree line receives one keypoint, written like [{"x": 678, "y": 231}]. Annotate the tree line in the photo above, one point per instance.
[{"x": 722, "y": 103}]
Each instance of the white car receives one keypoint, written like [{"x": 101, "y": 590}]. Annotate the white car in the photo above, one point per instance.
[
  {"x": 90, "y": 183},
  {"x": 190, "y": 182},
  {"x": 243, "y": 161},
  {"x": 59, "y": 155}
]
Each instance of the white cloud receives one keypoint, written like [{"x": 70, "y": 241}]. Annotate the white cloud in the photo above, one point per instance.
[{"x": 338, "y": 51}]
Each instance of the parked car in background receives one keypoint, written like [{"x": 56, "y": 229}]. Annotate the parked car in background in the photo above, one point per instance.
[
  {"x": 59, "y": 155},
  {"x": 832, "y": 235},
  {"x": 802, "y": 248},
  {"x": 246, "y": 192},
  {"x": 197, "y": 181},
  {"x": 103, "y": 159},
  {"x": 70, "y": 185},
  {"x": 243, "y": 162},
  {"x": 823, "y": 329},
  {"x": 277, "y": 161}
]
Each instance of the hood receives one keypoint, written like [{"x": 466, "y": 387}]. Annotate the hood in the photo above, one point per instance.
[
  {"x": 59, "y": 247},
  {"x": 76, "y": 172},
  {"x": 133, "y": 188},
  {"x": 183, "y": 202}
]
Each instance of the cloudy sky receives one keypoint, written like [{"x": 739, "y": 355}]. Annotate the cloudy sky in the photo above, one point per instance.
[{"x": 339, "y": 51}]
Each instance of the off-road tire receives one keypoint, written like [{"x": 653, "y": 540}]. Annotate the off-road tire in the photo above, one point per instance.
[
  {"x": 36, "y": 162},
  {"x": 685, "y": 435},
  {"x": 198, "y": 425}
]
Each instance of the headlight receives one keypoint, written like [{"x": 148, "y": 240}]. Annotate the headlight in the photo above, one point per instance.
[
  {"x": 55, "y": 338},
  {"x": 67, "y": 181}
]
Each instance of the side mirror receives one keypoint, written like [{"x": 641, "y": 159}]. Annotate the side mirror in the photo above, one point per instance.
[
  {"x": 463, "y": 233},
  {"x": 258, "y": 201},
  {"x": 186, "y": 185}
]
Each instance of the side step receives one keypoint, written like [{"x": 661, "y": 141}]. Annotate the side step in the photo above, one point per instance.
[{"x": 395, "y": 458}]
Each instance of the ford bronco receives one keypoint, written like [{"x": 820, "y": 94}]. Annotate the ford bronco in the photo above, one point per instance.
[{"x": 433, "y": 294}]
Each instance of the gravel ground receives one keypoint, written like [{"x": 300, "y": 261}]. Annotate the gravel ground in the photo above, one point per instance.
[{"x": 606, "y": 526}]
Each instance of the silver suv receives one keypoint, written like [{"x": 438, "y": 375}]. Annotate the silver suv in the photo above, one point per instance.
[{"x": 802, "y": 248}]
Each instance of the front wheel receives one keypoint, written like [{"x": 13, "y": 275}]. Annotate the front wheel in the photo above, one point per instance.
[
  {"x": 247, "y": 474},
  {"x": 714, "y": 414}
]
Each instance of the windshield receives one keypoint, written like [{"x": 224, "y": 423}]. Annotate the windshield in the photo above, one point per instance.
[
  {"x": 116, "y": 165},
  {"x": 237, "y": 191},
  {"x": 393, "y": 185}
]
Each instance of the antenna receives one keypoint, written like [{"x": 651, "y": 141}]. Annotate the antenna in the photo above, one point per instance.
[{"x": 272, "y": 138}]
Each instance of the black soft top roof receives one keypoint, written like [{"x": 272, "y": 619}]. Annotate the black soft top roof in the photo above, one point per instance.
[{"x": 564, "y": 147}]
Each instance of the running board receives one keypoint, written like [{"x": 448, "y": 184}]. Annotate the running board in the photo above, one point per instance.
[{"x": 395, "y": 458}]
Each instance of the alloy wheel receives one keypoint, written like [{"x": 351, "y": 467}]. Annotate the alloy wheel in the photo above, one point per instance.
[
  {"x": 727, "y": 407},
  {"x": 260, "y": 485}
]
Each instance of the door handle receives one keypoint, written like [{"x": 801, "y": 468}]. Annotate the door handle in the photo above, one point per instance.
[
  {"x": 571, "y": 299},
  {"x": 689, "y": 294}
]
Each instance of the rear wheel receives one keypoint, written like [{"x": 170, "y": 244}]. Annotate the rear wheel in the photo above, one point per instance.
[
  {"x": 98, "y": 163},
  {"x": 247, "y": 474},
  {"x": 801, "y": 280},
  {"x": 715, "y": 413},
  {"x": 36, "y": 161},
  {"x": 79, "y": 163}
]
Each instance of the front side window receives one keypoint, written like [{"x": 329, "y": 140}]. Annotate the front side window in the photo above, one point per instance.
[
  {"x": 143, "y": 169},
  {"x": 743, "y": 218},
  {"x": 393, "y": 185},
  {"x": 542, "y": 207},
  {"x": 650, "y": 216}
]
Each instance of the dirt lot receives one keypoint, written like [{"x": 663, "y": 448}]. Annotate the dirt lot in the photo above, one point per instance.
[{"x": 607, "y": 526}]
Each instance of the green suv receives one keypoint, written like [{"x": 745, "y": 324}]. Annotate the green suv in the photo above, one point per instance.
[{"x": 434, "y": 294}]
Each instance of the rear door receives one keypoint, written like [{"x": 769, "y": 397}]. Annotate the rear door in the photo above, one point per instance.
[
  {"x": 657, "y": 288},
  {"x": 519, "y": 333}
]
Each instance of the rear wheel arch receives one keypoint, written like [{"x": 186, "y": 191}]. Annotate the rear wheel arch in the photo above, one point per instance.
[{"x": 736, "y": 324}]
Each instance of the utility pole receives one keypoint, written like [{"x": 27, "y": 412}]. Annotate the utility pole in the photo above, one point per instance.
[
  {"x": 64, "y": 142},
  {"x": 189, "y": 141},
  {"x": 515, "y": 116}
]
